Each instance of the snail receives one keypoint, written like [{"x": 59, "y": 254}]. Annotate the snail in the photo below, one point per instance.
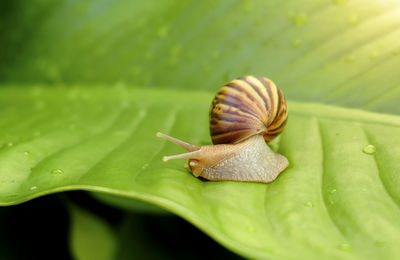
[{"x": 244, "y": 115}]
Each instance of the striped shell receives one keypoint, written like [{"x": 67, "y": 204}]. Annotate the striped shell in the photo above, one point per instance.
[{"x": 245, "y": 107}]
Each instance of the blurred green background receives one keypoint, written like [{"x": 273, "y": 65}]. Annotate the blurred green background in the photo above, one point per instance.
[
  {"x": 344, "y": 53},
  {"x": 341, "y": 52}
]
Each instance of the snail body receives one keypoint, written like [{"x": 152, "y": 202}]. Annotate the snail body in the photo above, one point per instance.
[{"x": 244, "y": 115}]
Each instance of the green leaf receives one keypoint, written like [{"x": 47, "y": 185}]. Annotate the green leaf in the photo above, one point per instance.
[
  {"x": 339, "y": 52},
  {"x": 91, "y": 237},
  {"x": 330, "y": 203},
  {"x": 333, "y": 201}
]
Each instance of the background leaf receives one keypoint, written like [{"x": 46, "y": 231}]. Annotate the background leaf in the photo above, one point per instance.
[
  {"x": 102, "y": 139},
  {"x": 90, "y": 237},
  {"x": 340, "y": 52}
]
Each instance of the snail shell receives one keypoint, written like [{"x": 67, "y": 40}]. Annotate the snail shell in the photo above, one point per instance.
[
  {"x": 244, "y": 115},
  {"x": 245, "y": 107}
]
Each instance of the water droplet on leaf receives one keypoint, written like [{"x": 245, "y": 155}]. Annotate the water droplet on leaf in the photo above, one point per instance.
[
  {"x": 33, "y": 188},
  {"x": 369, "y": 149},
  {"x": 57, "y": 171}
]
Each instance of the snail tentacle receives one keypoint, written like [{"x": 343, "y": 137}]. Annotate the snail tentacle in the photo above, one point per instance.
[{"x": 188, "y": 147}]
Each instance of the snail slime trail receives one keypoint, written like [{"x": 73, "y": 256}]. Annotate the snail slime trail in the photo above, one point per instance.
[{"x": 245, "y": 114}]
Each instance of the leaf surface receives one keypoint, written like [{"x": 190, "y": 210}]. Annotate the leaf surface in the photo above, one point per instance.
[
  {"x": 91, "y": 237},
  {"x": 330, "y": 202}
]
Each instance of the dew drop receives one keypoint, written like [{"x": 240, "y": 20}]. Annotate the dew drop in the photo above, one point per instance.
[
  {"x": 145, "y": 166},
  {"x": 369, "y": 149},
  {"x": 333, "y": 191},
  {"x": 309, "y": 204},
  {"x": 296, "y": 43},
  {"x": 345, "y": 247},
  {"x": 10, "y": 144},
  {"x": 27, "y": 153},
  {"x": 33, "y": 188},
  {"x": 57, "y": 171}
]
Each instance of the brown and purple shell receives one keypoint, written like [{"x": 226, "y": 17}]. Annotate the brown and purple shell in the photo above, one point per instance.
[{"x": 245, "y": 107}]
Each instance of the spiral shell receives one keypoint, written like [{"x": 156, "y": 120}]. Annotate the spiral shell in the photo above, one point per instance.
[{"x": 245, "y": 107}]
